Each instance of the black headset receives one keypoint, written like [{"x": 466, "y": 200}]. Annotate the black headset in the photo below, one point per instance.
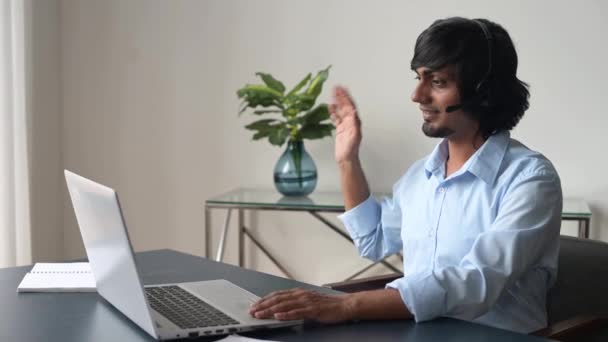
[
  {"x": 480, "y": 98},
  {"x": 482, "y": 85}
]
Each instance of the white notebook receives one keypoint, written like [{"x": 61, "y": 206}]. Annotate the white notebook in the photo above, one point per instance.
[{"x": 58, "y": 277}]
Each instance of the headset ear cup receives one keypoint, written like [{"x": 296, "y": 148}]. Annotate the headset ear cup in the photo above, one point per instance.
[{"x": 483, "y": 94}]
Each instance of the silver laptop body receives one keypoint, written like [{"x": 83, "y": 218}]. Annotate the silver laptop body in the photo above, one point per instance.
[{"x": 110, "y": 255}]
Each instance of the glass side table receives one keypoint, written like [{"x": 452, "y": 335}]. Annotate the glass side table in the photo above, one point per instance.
[
  {"x": 576, "y": 209},
  {"x": 255, "y": 199},
  {"x": 242, "y": 199}
]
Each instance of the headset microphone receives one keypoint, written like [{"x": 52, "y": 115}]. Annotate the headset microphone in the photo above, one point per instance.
[{"x": 453, "y": 108}]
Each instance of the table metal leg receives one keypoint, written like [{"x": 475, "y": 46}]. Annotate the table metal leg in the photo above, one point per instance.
[
  {"x": 263, "y": 249},
  {"x": 207, "y": 233},
  {"x": 241, "y": 232},
  {"x": 583, "y": 228},
  {"x": 330, "y": 225},
  {"x": 366, "y": 268},
  {"x": 222, "y": 243},
  {"x": 344, "y": 235}
]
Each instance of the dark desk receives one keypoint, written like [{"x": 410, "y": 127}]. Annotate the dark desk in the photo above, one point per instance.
[{"x": 86, "y": 317}]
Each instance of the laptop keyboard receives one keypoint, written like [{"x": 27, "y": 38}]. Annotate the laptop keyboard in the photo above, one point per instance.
[{"x": 184, "y": 309}]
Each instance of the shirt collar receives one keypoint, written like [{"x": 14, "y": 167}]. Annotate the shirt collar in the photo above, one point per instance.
[
  {"x": 437, "y": 158},
  {"x": 484, "y": 163}
]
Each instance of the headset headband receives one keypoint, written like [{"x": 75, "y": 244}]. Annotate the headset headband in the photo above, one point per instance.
[{"x": 488, "y": 35}]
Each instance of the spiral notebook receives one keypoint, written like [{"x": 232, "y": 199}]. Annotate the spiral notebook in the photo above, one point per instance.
[{"x": 58, "y": 277}]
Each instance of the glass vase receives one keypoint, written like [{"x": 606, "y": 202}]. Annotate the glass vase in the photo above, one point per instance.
[{"x": 295, "y": 173}]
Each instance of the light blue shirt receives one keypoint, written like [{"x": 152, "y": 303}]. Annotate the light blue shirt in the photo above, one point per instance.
[{"x": 481, "y": 245}]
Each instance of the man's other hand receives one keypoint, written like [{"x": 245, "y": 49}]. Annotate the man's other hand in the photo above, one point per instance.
[{"x": 297, "y": 304}]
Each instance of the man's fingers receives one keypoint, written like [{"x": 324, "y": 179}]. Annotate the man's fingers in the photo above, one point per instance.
[
  {"x": 333, "y": 116},
  {"x": 271, "y": 294},
  {"x": 335, "y": 119},
  {"x": 276, "y": 293},
  {"x": 302, "y": 313},
  {"x": 270, "y": 301},
  {"x": 344, "y": 106},
  {"x": 347, "y": 112},
  {"x": 343, "y": 98},
  {"x": 343, "y": 113},
  {"x": 284, "y": 306},
  {"x": 340, "y": 96},
  {"x": 332, "y": 108},
  {"x": 301, "y": 304},
  {"x": 275, "y": 298}
]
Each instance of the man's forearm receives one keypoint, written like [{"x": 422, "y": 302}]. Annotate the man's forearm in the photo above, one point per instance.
[
  {"x": 377, "y": 305},
  {"x": 354, "y": 185}
]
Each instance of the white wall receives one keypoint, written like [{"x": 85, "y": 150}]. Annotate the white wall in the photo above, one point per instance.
[
  {"x": 43, "y": 53},
  {"x": 149, "y": 106}
]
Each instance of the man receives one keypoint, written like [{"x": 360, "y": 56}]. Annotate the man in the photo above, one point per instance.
[{"x": 478, "y": 219}]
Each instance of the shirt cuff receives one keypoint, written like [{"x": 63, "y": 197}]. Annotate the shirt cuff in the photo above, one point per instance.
[
  {"x": 362, "y": 219},
  {"x": 422, "y": 295}
]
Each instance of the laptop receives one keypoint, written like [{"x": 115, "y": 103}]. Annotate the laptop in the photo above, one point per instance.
[{"x": 166, "y": 311}]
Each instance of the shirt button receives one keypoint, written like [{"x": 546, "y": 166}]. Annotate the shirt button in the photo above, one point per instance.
[{"x": 441, "y": 190}]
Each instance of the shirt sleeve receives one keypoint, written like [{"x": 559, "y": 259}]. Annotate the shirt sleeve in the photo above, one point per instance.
[
  {"x": 375, "y": 227},
  {"x": 524, "y": 236}
]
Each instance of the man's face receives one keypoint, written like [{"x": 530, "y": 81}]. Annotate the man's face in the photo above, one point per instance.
[{"x": 435, "y": 91}]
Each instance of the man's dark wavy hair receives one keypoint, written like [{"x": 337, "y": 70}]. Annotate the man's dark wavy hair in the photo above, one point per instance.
[{"x": 461, "y": 43}]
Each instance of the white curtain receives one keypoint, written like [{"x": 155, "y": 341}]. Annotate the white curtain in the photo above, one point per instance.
[{"x": 15, "y": 232}]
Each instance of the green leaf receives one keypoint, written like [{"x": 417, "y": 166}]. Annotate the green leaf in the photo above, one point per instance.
[
  {"x": 258, "y": 89},
  {"x": 272, "y": 82},
  {"x": 260, "y": 95},
  {"x": 264, "y": 111},
  {"x": 315, "y": 116},
  {"x": 300, "y": 85},
  {"x": 278, "y": 136},
  {"x": 299, "y": 103},
  {"x": 316, "y": 131},
  {"x": 316, "y": 85},
  {"x": 267, "y": 128},
  {"x": 261, "y": 134},
  {"x": 261, "y": 124}
]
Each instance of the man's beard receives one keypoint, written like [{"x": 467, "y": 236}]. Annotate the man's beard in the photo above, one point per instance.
[{"x": 440, "y": 132}]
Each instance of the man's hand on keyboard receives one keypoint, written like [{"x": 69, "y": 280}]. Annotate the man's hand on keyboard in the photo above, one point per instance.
[{"x": 303, "y": 304}]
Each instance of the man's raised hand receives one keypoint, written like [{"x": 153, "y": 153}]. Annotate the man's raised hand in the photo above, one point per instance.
[{"x": 348, "y": 126}]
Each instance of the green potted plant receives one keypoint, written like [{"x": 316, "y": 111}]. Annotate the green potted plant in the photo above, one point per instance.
[{"x": 289, "y": 116}]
